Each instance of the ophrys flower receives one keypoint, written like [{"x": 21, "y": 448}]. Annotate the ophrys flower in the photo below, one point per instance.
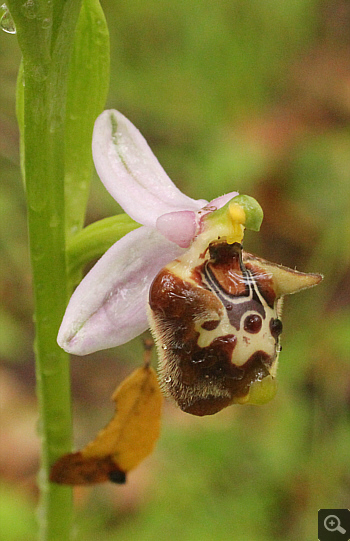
[{"x": 214, "y": 309}]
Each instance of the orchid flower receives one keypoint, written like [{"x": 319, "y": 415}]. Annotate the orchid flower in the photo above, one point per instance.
[
  {"x": 214, "y": 310},
  {"x": 109, "y": 307}
]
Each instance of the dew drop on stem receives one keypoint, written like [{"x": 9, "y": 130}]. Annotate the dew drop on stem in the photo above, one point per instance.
[
  {"x": 29, "y": 9},
  {"x": 6, "y": 21}
]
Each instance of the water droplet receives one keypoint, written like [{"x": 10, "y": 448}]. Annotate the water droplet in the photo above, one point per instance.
[
  {"x": 164, "y": 347},
  {"x": 39, "y": 73},
  {"x": 46, "y": 23},
  {"x": 29, "y": 9},
  {"x": 74, "y": 229},
  {"x": 167, "y": 379},
  {"x": 6, "y": 21}
]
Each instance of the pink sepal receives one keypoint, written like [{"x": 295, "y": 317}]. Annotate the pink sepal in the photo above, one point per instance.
[{"x": 109, "y": 306}]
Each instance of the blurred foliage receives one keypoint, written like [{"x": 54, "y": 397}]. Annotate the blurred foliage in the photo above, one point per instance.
[{"x": 253, "y": 96}]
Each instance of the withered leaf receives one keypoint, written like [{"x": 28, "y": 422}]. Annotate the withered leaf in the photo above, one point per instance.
[
  {"x": 128, "y": 438},
  {"x": 75, "y": 469}
]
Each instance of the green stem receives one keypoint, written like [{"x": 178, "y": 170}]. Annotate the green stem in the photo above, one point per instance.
[
  {"x": 45, "y": 192},
  {"x": 45, "y": 35}
]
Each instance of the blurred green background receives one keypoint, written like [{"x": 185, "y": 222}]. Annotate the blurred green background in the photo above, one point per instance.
[{"x": 231, "y": 95}]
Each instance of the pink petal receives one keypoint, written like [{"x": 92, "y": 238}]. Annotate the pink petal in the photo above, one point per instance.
[
  {"x": 219, "y": 202},
  {"x": 132, "y": 174},
  {"x": 179, "y": 227},
  {"x": 182, "y": 226},
  {"x": 108, "y": 308}
]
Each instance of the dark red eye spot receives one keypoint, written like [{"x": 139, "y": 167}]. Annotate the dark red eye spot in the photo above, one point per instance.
[
  {"x": 253, "y": 323},
  {"x": 276, "y": 327},
  {"x": 210, "y": 325}
]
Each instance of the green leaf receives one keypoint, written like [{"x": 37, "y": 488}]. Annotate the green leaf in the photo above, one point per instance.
[{"x": 88, "y": 82}]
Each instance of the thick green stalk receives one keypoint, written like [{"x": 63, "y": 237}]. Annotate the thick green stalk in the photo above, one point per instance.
[
  {"x": 45, "y": 35},
  {"x": 45, "y": 190}
]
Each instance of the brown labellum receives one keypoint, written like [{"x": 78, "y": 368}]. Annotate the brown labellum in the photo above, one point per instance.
[{"x": 216, "y": 323}]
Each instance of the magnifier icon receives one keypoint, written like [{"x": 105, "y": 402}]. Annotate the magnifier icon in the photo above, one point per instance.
[{"x": 332, "y": 524}]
